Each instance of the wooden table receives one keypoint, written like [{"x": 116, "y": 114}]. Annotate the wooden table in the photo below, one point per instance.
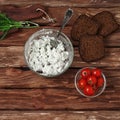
[{"x": 27, "y": 96}]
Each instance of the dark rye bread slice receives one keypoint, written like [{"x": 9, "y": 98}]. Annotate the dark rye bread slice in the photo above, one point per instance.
[
  {"x": 107, "y": 22},
  {"x": 91, "y": 48},
  {"x": 82, "y": 26}
]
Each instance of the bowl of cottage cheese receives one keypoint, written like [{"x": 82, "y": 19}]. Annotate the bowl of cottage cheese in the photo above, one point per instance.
[{"x": 47, "y": 59}]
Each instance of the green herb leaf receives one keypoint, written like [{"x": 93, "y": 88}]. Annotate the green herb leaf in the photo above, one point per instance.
[{"x": 7, "y": 23}]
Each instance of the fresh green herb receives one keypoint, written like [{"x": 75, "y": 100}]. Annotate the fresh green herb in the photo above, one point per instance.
[{"x": 7, "y": 24}]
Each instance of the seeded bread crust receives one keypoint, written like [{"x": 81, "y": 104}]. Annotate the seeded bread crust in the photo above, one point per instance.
[
  {"x": 107, "y": 22},
  {"x": 84, "y": 25},
  {"x": 91, "y": 48}
]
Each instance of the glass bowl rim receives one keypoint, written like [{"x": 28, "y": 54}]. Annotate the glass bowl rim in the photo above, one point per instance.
[
  {"x": 66, "y": 38},
  {"x": 76, "y": 86}
]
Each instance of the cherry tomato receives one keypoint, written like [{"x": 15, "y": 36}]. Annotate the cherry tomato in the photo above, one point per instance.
[
  {"x": 95, "y": 87},
  {"x": 85, "y": 72},
  {"x": 82, "y": 83},
  {"x": 88, "y": 90},
  {"x": 96, "y": 72},
  {"x": 100, "y": 82},
  {"x": 91, "y": 80}
]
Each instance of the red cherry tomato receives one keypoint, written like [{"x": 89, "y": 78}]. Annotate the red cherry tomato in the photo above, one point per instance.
[
  {"x": 85, "y": 72},
  {"x": 91, "y": 80},
  {"x": 96, "y": 72},
  {"x": 95, "y": 87},
  {"x": 100, "y": 82},
  {"x": 82, "y": 83},
  {"x": 88, "y": 90}
]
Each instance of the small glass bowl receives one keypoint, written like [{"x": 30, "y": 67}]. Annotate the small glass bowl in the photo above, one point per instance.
[
  {"x": 52, "y": 33},
  {"x": 77, "y": 78}
]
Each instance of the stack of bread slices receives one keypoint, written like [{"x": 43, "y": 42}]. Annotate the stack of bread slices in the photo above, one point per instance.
[{"x": 91, "y": 32}]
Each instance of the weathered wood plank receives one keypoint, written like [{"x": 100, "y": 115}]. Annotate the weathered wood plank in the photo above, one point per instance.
[
  {"x": 59, "y": 115},
  {"x": 59, "y": 12},
  {"x": 55, "y": 12},
  {"x": 60, "y": 99},
  {"x": 22, "y": 13},
  {"x": 14, "y": 57},
  {"x": 20, "y": 78},
  {"x": 11, "y": 56},
  {"x": 54, "y": 3},
  {"x": 20, "y": 37},
  {"x": 111, "y": 59}
]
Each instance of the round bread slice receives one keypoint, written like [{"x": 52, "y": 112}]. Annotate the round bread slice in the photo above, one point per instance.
[
  {"x": 107, "y": 22},
  {"x": 84, "y": 25},
  {"x": 91, "y": 48}
]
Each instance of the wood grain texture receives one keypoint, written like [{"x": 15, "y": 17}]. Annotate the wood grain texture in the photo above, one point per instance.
[
  {"x": 60, "y": 115},
  {"x": 54, "y": 3},
  {"x": 20, "y": 37},
  {"x": 59, "y": 12},
  {"x": 55, "y": 12},
  {"x": 24, "y": 78},
  {"x": 14, "y": 57},
  {"x": 22, "y": 13},
  {"x": 57, "y": 99},
  {"x": 21, "y": 89}
]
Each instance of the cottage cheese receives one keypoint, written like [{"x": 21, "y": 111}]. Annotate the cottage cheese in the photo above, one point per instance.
[{"x": 46, "y": 59}]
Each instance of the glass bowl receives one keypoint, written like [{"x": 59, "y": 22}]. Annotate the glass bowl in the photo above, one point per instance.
[
  {"x": 51, "y": 33},
  {"x": 78, "y": 77}
]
